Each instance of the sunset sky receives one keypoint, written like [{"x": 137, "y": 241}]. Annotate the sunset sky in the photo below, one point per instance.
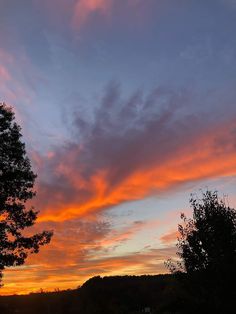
[{"x": 126, "y": 107}]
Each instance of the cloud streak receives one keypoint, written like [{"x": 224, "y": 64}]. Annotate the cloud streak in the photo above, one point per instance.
[
  {"x": 70, "y": 275},
  {"x": 131, "y": 149}
]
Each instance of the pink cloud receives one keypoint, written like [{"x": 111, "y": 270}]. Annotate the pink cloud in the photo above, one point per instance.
[
  {"x": 84, "y": 8},
  {"x": 4, "y": 74},
  {"x": 170, "y": 237},
  {"x": 12, "y": 85},
  {"x": 78, "y": 14}
]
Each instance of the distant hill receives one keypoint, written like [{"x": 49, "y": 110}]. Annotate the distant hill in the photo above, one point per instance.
[{"x": 112, "y": 295}]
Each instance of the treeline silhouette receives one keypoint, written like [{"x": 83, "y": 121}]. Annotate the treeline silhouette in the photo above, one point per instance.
[
  {"x": 108, "y": 295},
  {"x": 119, "y": 295}
]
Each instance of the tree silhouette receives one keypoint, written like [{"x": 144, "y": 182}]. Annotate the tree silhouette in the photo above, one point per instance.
[
  {"x": 207, "y": 251},
  {"x": 207, "y": 241},
  {"x": 16, "y": 187}
]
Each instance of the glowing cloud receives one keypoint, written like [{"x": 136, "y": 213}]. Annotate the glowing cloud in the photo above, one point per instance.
[
  {"x": 133, "y": 149},
  {"x": 71, "y": 275}
]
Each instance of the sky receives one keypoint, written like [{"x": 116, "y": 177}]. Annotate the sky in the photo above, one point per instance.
[{"x": 126, "y": 108}]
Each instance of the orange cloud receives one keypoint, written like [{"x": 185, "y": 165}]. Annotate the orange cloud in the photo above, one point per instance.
[
  {"x": 31, "y": 278},
  {"x": 201, "y": 159}
]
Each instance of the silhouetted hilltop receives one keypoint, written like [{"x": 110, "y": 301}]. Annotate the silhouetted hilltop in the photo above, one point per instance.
[{"x": 119, "y": 295}]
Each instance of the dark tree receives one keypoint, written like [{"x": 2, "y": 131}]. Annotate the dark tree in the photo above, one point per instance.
[
  {"x": 207, "y": 251},
  {"x": 207, "y": 241},
  {"x": 16, "y": 187}
]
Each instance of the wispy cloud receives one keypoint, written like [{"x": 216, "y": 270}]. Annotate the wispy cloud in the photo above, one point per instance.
[
  {"x": 131, "y": 149},
  {"x": 69, "y": 275},
  {"x": 81, "y": 14}
]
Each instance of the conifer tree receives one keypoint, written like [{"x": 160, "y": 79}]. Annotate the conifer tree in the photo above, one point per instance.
[{"x": 16, "y": 188}]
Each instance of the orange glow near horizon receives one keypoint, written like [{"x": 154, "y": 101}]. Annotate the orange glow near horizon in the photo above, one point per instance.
[{"x": 24, "y": 280}]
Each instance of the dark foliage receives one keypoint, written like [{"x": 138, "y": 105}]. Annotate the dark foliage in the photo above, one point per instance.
[
  {"x": 207, "y": 249},
  {"x": 16, "y": 187},
  {"x": 208, "y": 241}
]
